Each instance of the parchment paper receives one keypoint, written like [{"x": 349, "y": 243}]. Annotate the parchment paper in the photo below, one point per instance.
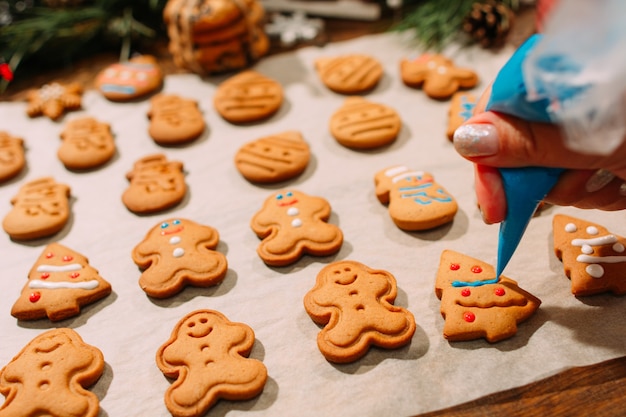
[{"x": 429, "y": 374}]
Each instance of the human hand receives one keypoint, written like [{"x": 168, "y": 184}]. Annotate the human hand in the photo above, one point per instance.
[{"x": 493, "y": 140}]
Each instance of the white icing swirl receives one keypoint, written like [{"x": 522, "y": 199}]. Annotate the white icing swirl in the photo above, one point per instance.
[
  {"x": 59, "y": 268},
  {"x": 52, "y": 285}
]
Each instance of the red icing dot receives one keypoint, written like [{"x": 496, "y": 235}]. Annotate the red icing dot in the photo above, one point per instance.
[
  {"x": 67, "y": 258},
  {"x": 74, "y": 275},
  {"x": 49, "y": 255},
  {"x": 455, "y": 267},
  {"x": 34, "y": 297},
  {"x": 499, "y": 291},
  {"x": 465, "y": 292},
  {"x": 477, "y": 269},
  {"x": 45, "y": 275},
  {"x": 469, "y": 317}
]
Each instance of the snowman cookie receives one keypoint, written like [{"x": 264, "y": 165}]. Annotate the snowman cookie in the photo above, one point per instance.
[
  {"x": 292, "y": 224},
  {"x": 12, "y": 158}
]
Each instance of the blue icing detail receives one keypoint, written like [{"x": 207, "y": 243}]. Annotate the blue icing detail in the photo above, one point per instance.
[
  {"x": 475, "y": 283},
  {"x": 112, "y": 88}
]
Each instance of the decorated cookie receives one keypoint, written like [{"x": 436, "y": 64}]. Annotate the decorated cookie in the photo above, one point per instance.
[
  {"x": 49, "y": 377},
  {"x": 53, "y": 100},
  {"x": 12, "y": 158},
  {"x": 130, "y": 80},
  {"x": 59, "y": 284},
  {"x": 292, "y": 224},
  {"x": 176, "y": 253},
  {"x": 475, "y": 304},
  {"x": 362, "y": 124},
  {"x": 461, "y": 108},
  {"x": 349, "y": 74},
  {"x": 174, "y": 120},
  {"x": 436, "y": 75},
  {"x": 354, "y": 303},
  {"x": 593, "y": 258},
  {"x": 208, "y": 356},
  {"x": 86, "y": 144},
  {"x": 416, "y": 201},
  {"x": 248, "y": 97},
  {"x": 156, "y": 184},
  {"x": 273, "y": 158},
  {"x": 41, "y": 208}
]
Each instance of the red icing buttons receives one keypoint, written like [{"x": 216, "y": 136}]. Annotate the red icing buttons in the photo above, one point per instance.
[
  {"x": 469, "y": 317},
  {"x": 465, "y": 292},
  {"x": 476, "y": 269},
  {"x": 67, "y": 258},
  {"x": 455, "y": 267},
  {"x": 74, "y": 275},
  {"x": 45, "y": 275},
  {"x": 499, "y": 291},
  {"x": 49, "y": 255},
  {"x": 34, "y": 297}
]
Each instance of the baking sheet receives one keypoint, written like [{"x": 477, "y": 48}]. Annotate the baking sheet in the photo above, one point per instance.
[{"x": 426, "y": 375}]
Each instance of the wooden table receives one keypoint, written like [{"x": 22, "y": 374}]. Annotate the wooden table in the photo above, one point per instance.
[{"x": 597, "y": 390}]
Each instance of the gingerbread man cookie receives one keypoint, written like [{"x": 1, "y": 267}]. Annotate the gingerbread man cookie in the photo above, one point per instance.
[
  {"x": 436, "y": 75},
  {"x": 461, "y": 108},
  {"x": 156, "y": 184},
  {"x": 53, "y": 100},
  {"x": 475, "y": 304},
  {"x": 174, "y": 120},
  {"x": 59, "y": 284},
  {"x": 133, "y": 79},
  {"x": 86, "y": 143},
  {"x": 176, "y": 253},
  {"x": 593, "y": 258},
  {"x": 12, "y": 159},
  {"x": 50, "y": 375},
  {"x": 349, "y": 74},
  {"x": 416, "y": 201},
  {"x": 41, "y": 208},
  {"x": 207, "y": 355},
  {"x": 292, "y": 224},
  {"x": 355, "y": 304}
]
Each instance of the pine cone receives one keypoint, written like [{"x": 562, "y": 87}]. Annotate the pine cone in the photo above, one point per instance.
[{"x": 488, "y": 23}]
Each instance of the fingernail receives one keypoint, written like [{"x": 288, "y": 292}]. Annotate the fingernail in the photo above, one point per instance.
[
  {"x": 622, "y": 189},
  {"x": 600, "y": 179},
  {"x": 476, "y": 140}
]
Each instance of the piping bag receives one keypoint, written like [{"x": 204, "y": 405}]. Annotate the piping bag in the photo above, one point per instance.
[{"x": 569, "y": 77}]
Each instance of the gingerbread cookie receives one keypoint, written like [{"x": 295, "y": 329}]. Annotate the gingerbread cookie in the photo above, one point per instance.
[
  {"x": 12, "y": 159},
  {"x": 133, "y": 79},
  {"x": 594, "y": 259},
  {"x": 273, "y": 158},
  {"x": 176, "y": 253},
  {"x": 475, "y": 304},
  {"x": 461, "y": 108},
  {"x": 208, "y": 356},
  {"x": 53, "y": 100},
  {"x": 59, "y": 284},
  {"x": 174, "y": 120},
  {"x": 292, "y": 224},
  {"x": 354, "y": 303},
  {"x": 156, "y": 184},
  {"x": 362, "y": 124},
  {"x": 416, "y": 201},
  {"x": 436, "y": 75},
  {"x": 248, "y": 97},
  {"x": 49, "y": 377},
  {"x": 41, "y": 208},
  {"x": 349, "y": 74},
  {"x": 87, "y": 144}
]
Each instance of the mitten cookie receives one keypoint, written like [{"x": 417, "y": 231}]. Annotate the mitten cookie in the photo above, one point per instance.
[
  {"x": 362, "y": 124},
  {"x": 416, "y": 201},
  {"x": 156, "y": 184},
  {"x": 12, "y": 159},
  {"x": 349, "y": 74},
  {"x": 86, "y": 144},
  {"x": 292, "y": 224},
  {"x": 174, "y": 120},
  {"x": 273, "y": 158},
  {"x": 476, "y": 305},
  {"x": 593, "y": 258},
  {"x": 354, "y": 303},
  {"x": 53, "y": 100},
  {"x": 41, "y": 208},
  {"x": 461, "y": 108},
  {"x": 176, "y": 253},
  {"x": 436, "y": 75},
  {"x": 50, "y": 375},
  {"x": 207, "y": 355},
  {"x": 248, "y": 97},
  {"x": 59, "y": 284},
  {"x": 130, "y": 80}
]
